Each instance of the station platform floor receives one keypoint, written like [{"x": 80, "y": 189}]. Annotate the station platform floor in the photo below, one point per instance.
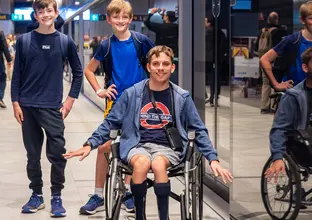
[{"x": 81, "y": 122}]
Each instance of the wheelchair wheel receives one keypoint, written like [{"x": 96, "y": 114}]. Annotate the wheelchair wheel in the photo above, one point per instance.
[
  {"x": 182, "y": 207},
  {"x": 113, "y": 195},
  {"x": 281, "y": 200},
  {"x": 197, "y": 191}
]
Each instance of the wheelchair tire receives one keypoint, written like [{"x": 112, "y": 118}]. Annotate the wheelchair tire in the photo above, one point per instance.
[
  {"x": 197, "y": 192},
  {"x": 293, "y": 175},
  {"x": 117, "y": 199},
  {"x": 182, "y": 207}
]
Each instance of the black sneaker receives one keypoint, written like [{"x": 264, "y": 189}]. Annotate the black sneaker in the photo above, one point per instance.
[{"x": 2, "y": 105}]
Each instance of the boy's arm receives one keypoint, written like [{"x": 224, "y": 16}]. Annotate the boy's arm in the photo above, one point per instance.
[
  {"x": 202, "y": 139},
  {"x": 89, "y": 73},
  {"x": 284, "y": 120},
  {"x": 101, "y": 134},
  {"x": 266, "y": 63},
  {"x": 15, "y": 83},
  {"x": 76, "y": 67}
]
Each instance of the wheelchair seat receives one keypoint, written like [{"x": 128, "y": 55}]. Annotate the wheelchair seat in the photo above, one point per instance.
[
  {"x": 172, "y": 170},
  {"x": 299, "y": 147}
]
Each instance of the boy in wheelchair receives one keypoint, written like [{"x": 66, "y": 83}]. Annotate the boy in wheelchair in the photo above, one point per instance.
[
  {"x": 294, "y": 112},
  {"x": 146, "y": 113}
]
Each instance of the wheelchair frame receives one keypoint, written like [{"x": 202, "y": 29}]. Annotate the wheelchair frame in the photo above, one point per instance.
[
  {"x": 297, "y": 170},
  {"x": 191, "y": 169}
]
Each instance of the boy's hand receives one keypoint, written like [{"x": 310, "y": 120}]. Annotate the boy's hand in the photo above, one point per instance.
[
  {"x": 109, "y": 93},
  {"x": 83, "y": 152},
  {"x": 18, "y": 113},
  {"x": 284, "y": 86},
  {"x": 218, "y": 170},
  {"x": 67, "y": 106},
  {"x": 276, "y": 168}
]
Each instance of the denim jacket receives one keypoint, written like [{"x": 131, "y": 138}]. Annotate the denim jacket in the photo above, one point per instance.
[
  {"x": 125, "y": 115},
  {"x": 292, "y": 113}
]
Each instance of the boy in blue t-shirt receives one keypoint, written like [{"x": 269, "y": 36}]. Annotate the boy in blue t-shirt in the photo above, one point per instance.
[
  {"x": 123, "y": 67},
  {"x": 37, "y": 93},
  {"x": 290, "y": 50}
]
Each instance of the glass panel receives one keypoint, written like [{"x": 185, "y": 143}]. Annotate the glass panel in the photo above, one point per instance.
[
  {"x": 252, "y": 110},
  {"x": 217, "y": 103}
]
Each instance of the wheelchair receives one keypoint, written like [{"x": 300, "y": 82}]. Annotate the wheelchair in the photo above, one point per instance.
[
  {"x": 288, "y": 191},
  {"x": 191, "y": 199}
]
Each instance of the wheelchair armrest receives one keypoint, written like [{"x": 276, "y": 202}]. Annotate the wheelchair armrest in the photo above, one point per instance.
[
  {"x": 298, "y": 132},
  {"x": 113, "y": 134},
  {"x": 190, "y": 147},
  {"x": 276, "y": 95},
  {"x": 115, "y": 150}
]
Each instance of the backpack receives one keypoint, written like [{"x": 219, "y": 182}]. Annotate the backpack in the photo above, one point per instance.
[
  {"x": 142, "y": 45},
  {"x": 265, "y": 41},
  {"x": 26, "y": 40}
]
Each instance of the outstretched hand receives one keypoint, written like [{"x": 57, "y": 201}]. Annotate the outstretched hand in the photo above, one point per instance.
[
  {"x": 83, "y": 152},
  {"x": 219, "y": 171}
]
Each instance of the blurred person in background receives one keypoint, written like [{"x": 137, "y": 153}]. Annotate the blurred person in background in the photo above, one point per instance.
[{"x": 4, "y": 50}]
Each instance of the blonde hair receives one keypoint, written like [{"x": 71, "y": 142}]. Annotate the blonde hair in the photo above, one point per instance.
[
  {"x": 306, "y": 10},
  {"x": 116, "y": 6},
  {"x": 160, "y": 49}
]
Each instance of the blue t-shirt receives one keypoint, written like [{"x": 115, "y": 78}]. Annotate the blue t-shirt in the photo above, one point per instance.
[
  {"x": 127, "y": 70},
  {"x": 39, "y": 83},
  {"x": 296, "y": 73},
  {"x": 151, "y": 129}
]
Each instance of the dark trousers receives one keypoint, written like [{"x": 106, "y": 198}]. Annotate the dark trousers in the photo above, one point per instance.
[
  {"x": 35, "y": 120},
  {"x": 210, "y": 72},
  {"x": 2, "y": 80}
]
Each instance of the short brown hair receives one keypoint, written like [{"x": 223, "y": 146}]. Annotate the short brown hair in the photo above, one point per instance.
[
  {"x": 41, "y": 4},
  {"x": 306, "y": 10},
  {"x": 306, "y": 56},
  {"x": 116, "y": 6},
  {"x": 160, "y": 49}
]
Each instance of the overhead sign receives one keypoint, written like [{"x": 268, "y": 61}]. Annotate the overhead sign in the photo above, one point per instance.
[
  {"x": 4, "y": 17},
  {"x": 17, "y": 17},
  {"x": 94, "y": 17}
]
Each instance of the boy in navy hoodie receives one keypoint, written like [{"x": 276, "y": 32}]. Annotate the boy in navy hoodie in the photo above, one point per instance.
[{"x": 37, "y": 93}]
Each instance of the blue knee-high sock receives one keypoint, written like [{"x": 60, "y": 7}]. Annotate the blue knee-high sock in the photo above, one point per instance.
[
  {"x": 162, "y": 191},
  {"x": 139, "y": 194}
]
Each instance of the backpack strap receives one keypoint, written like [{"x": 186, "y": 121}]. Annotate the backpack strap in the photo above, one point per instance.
[
  {"x": 108, "y": 60},
  {"x": 26, "y": 39},
  {"x": 64, "y": 45},
  {"x": 138, "y": 44}
]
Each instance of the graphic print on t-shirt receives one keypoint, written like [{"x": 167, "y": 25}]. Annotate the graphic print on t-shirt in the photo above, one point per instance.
[
  {"x": 151, "y": 129},
  {"x": 150, "y": 120}
]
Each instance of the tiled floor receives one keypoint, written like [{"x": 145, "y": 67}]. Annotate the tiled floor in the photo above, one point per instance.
[{"x": 81, "y": 122}]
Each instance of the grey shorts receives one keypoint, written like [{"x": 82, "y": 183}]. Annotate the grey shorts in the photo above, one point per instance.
[{"x": 152, "y": 150}]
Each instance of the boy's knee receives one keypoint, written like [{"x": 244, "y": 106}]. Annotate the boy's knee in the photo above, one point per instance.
[
  {"x": 140, "y": 163},
  {"x": 160, "y": 164}
]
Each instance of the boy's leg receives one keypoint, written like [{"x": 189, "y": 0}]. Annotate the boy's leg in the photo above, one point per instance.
[
  {"x": 162, "y": 158},
  {"x": 101, "y": 167},
  {"x": 53, "y": 124},
  {"x": 141, "y": 165},
  {"x": 161, "y": 185},
  {"x": 33, "y": 140}
]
